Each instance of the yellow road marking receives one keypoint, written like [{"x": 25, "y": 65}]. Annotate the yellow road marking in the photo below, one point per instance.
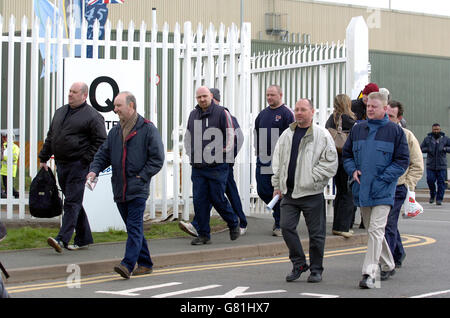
[{"x": 408, "y": 241}]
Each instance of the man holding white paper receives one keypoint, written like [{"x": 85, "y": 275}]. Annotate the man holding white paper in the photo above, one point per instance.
[
  {"x": 303, "y": 161},
  {"x": 135, "y": 151}
]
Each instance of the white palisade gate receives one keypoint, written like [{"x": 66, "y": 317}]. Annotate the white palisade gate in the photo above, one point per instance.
[
  {"x": 314, "y": 72},
  {"x": 187, "y": 58}
]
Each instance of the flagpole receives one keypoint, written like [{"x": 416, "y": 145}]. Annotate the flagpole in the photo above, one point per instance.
[
  {"x": 32, "y": 14},
  {"x": 83, "y": 10}
]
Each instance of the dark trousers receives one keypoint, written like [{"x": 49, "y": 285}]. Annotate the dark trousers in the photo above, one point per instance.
[
  {"x": 136, "y": 249},
  {"x": 343, "y": 207},
  {"x": 265, "y": 192},
  {"x": 208, "y": 188},
  {"x": 391, "y": 232},
  {"x": 440, "y": 177},
  {"x": 313, "y": 208},
  {"x": 72, "y": 179},
  {"x": 232, "y": 193},
  {"x": 5, "y": 185}
]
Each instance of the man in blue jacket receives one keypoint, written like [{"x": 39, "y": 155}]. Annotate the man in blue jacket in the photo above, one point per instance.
[
  {"x": 135, "y": 151},
  {"x": 375, "y": 155},
  {"x": 436, "y": 145}
]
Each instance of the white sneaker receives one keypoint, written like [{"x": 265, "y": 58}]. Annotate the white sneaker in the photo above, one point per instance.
[
  {"x": 344, "y": 234},
  {"x": 277, "y": 232},
  {"x": 243, "y": 230},
  {"x": 188, "y": 228},
  {"x": 75, "y": 247}
]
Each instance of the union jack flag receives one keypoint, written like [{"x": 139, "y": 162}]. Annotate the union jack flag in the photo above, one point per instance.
[{"x": 91, "y": 2}]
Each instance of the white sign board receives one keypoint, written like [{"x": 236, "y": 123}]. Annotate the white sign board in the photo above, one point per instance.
[{"x": 105, "y": 79}]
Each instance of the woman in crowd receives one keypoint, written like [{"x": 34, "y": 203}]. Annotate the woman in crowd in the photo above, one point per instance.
[{"x": 343, "y": 203}]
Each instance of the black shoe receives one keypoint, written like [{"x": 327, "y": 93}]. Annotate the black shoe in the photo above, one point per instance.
[
  {"x": 296, "y": 272},
  {"x": 367, "y": 282},
  {"x": 384, "y": 275},
  {"x": 315, "y": 278},
  {"x": 438, "y": 202},
  {"x": 200, "y": 240},
  {"x": 234, "y": 233},
  {"x": 431, "y": 200}
]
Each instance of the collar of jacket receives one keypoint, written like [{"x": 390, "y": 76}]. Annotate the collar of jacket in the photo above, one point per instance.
[
  {"x": 78, "y": 107},
  {"x": 208, "y": 111},
  {"x": 441, "y": 133},
  {"x": 377, "y": 123},
  {"x": 139, "y": 122},
  {"x": 293, "y": 125}
]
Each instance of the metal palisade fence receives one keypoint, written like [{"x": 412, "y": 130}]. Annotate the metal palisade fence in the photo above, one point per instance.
[
  {"x": 316, "y": 72},
  {"x": 177, "y": 62}
]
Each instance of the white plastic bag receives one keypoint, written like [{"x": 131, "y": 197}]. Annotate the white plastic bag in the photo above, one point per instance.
[{"x": 412, "y": 207}]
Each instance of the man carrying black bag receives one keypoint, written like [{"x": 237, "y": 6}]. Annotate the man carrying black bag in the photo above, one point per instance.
[
  {"x": 44, "y": 200},
  {"x": 76, "y": 132}
]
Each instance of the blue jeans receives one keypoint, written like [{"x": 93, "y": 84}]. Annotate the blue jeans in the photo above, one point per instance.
[
  {"x": 136, "y": 250},
  {"x": 232, "y": 193},
  {"x": 208, "y": 188},
  {"x": 265, "y": 192},
  {"x": 432, "y": 177},
  {"x": 391, "y": 232}
]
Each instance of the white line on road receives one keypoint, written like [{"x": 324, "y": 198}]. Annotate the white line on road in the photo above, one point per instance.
[
  {"x": 132, "y": 292},
  {"x": 319, "y": 295},
  {"x": 186, "y": 291},
  {"x": 241, "y": 291},
  {"x": 432, "y": 294}
]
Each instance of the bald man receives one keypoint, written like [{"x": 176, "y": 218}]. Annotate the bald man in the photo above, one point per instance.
[
  {"x": 209, "y": 143},
  {"x": 76, "y": 132}
]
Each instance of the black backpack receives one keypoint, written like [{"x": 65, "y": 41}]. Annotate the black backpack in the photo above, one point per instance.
[{"x": 44, "y": 200}]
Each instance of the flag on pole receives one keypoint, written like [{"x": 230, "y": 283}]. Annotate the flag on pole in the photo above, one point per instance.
[
  {"x": 44, "y": 10},
  {"x": 91, "y": 2},
  {"x": 69, "y": 9},
  {"x": 97, "y": 11}
]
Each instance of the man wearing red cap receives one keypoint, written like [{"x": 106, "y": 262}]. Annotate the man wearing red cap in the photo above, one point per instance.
[{"x": 359, "y": 105}]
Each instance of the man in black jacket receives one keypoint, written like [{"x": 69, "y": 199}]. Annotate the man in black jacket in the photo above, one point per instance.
[
  {"x": 135, "y": 151},
  {"x": 436, "y": 145},
  {"x": 209, "y": 143},
  {"x": 76, "y": 132}
]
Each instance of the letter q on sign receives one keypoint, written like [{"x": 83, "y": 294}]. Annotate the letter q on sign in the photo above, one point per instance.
[{"x": 93, "y": 89}]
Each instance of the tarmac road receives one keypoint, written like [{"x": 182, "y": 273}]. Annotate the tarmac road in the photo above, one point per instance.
[{"x": 423, "y": 275}]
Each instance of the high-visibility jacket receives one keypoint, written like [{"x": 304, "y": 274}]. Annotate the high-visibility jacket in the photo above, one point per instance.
[{"x": 16, "y": 151}]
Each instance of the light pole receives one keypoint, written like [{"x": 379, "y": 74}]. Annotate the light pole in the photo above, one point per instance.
[{"x": 242, "y": 13}]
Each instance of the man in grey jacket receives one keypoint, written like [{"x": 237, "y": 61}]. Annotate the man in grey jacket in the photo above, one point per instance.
[
  {"x": 135, "y": 151},
  {"x": 304, "y": 159}
]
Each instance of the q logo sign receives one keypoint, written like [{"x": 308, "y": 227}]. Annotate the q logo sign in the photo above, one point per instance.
[{"x": 92, "y": 93}]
